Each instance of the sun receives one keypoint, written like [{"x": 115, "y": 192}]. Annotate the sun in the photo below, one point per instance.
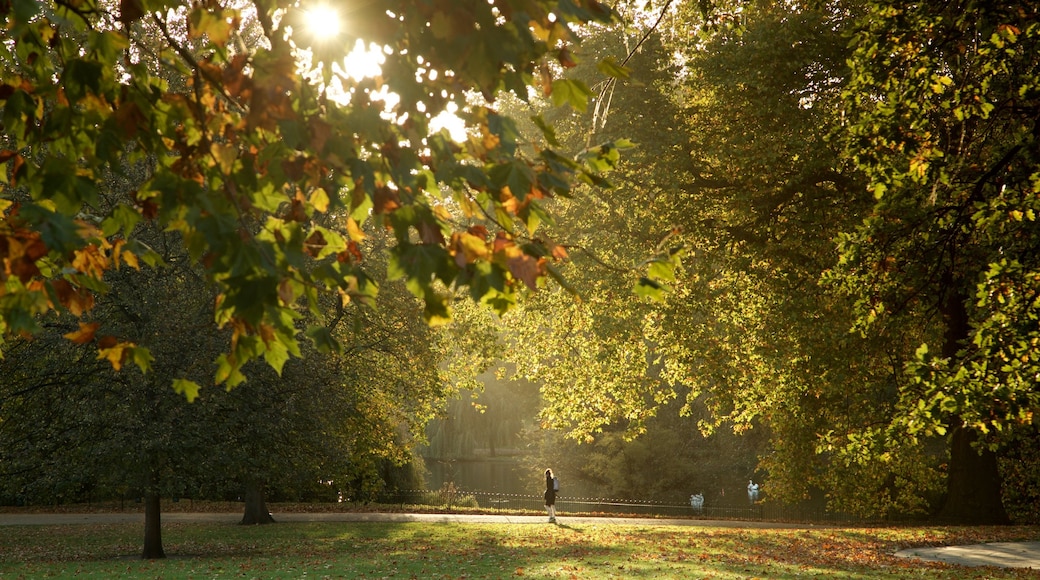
[{"x": 323, "y": 22}]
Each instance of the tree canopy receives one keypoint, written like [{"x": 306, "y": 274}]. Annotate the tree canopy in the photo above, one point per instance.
[
  {"x": 259, "y": 147},
  {"x": 829, "y": 167}
]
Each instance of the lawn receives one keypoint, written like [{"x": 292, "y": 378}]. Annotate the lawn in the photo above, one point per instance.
[{"x": 419, "y": 550}]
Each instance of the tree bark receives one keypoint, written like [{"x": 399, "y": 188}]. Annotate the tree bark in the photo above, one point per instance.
[
  {"x": 973, "y": 493},
  {"x": 973, "y": 489},
  {"x": 256, "y": 507},
  {"x": 153, "y": 548}
]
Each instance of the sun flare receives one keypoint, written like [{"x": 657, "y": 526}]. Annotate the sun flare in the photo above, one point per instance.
[{"x": 323, "y": 22}]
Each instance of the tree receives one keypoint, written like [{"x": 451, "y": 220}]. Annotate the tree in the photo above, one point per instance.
[
  {"x": 754, "y": 333},
  {"x": 734, "y": 157},
  {"x": 943, "y": 103},
  {"x": 89, "y": 430},
  {"x": 267, "y": 168}
]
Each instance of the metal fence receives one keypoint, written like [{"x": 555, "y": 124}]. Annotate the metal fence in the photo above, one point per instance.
[{"x": 452, "y": 499}]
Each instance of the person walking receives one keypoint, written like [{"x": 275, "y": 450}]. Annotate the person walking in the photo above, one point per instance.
[{"x": 550, "y": 495}]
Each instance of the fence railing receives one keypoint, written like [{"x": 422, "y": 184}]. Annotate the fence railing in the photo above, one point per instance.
[{"x": 452, "y": 498}]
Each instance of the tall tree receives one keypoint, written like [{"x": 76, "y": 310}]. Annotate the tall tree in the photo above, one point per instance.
[
  {"x": 943, "y": 104},
  {"x": 735, "y": 158}
]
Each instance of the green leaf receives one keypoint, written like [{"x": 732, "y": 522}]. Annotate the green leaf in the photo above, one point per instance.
[
  {"x": 547, "y": 130},
  {"x": 123, "y": 218},
  {"x": 81, "y": 76},
  {"x": 323, "y": 340},
  {"x": 647, "y": 288},
  {"x": 142, "y": 357},
  {"x": 506, "y": 130},
  {"x": 276, "y": 353},
  {"x": 515, "y": 175},
  {"x": 228, "y": 372},
  {"x": 663, "y": 270},
  {"x": 611, "y": 68},
  {"x": 571, "y": 92},
  {"x": 189, "y": 389},
  {"x": 65, "y": 187}
]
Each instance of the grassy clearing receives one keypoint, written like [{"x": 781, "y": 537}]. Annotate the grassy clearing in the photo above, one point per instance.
[{"x": 414, "y": 550}]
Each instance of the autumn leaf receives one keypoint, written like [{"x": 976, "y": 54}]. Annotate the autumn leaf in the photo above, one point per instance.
[
  {"x": 85, "y": 333},
  {"x": 113, "y": 351},
  {"x": 91, "y": 261},
  {"x": 526, "y": 269},
  {"x": 285, "y": 291}
]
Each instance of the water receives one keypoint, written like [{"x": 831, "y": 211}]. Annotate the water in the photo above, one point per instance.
[{"x": 498, "y": 475}]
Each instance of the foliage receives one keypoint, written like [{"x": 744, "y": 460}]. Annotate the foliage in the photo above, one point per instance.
[
  {"x": 585, "y": 550},
  {"x": 759, "y": 152},
  {"x": 943, "y": 101},
  {"x": 1020, "y": 470},
  {"x": 86, "y": 431},
  {"x": 731, "y": 162},
  {"x": 266, "y": 168}
]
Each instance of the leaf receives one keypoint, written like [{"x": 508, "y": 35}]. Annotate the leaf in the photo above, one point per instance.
[
  {"x": 571, "y": 92},
  {"x": 85, "y": 333},
  {"x": 320, "y": 200},
  {"x": 79, "y": 77},
  {"x": 229, "y": 372},
  {"x": 213, "y": 24},
  {"x": 526, "y": 268},
  {"x": 225, "y": 155},
  {"x": 276, "y": 354},
  {"x": 515, "y": 175},
  {"x": 663, "y": 270},
  {"x": 189, "y": 389},
  {"x": 113, "y": 351},
  {"x": 647, "y": 288},
  {"x": 323, "y": 340},
  {"x": 142, "y": 357},
  {"x": 122, "y": 218},
  {"x": 611, "y": 68},
  {"x": 130, "y": 11},
  {"x": 547, "y": 130}
]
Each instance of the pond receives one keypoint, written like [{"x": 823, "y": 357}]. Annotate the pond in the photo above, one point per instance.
[{"x": 500, "y": 475}]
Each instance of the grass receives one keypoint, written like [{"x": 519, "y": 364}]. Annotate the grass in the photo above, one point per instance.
[{"x": 415, "y": 550}]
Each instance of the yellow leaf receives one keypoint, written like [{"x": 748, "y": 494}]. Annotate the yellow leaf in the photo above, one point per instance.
[
  {"x": 189, "y": 389},
  {"x": 131, "y": 260},
  {"x": 354, "y": 231},
  {"x": 320, "y": 200},
  {"x": 225, "y": 156},
  {"x": 473, "y": 247},
  {"x": 114, "y": 354}
]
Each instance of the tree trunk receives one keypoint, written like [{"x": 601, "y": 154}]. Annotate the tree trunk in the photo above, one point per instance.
[
  {"x": 973, "y": 489},
  {"x": 256, "y": 507},
  {"x": 153, "y": 548},
  {"x": 973, "y": 486}
]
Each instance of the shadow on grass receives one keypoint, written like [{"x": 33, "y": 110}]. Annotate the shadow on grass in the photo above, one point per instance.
[{"x": 367, "y": 549}]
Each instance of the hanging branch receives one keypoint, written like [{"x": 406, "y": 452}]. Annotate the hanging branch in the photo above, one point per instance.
[{"x": 611, "y": 83}]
